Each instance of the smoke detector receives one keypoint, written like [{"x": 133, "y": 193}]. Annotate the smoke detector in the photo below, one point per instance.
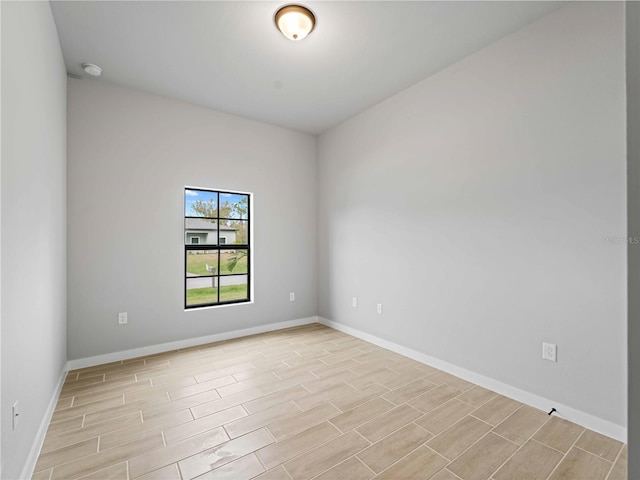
[{"x": 91, "y": 69}]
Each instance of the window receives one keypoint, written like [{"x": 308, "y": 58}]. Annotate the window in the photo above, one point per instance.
[{"x": 217, "y": 250}]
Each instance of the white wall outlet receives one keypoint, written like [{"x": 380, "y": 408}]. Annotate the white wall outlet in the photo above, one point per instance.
[
  {"x": 15, "y": 413},
  {"x": 354, "y": 302},
  {"x": 123, "y": 319},
  {"x": 292, "y": 296},
  {"x": 549, "y": 351},
  {"x": 379, "y": 309}
]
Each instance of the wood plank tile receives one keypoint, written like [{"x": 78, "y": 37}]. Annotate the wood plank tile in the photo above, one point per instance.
[
  {"x": 186, "y": 391},
  {"x": 445, "y": 474},
  {"x": 170, "y": 472},
  {"x": 421, "y": 463},
  {"x": 243, "y": 468},
  {"x": 331, "y": 394},
  {"x": 326, "y": 456},
  {"x": 203, "y": 424},
  {"x": 42, "y": 475},
  {"x": 391, "y": 421},
  {"x": 408, "y": 392},
  {"x": 559, "y": 434},
  {"x": 61, "y": 426},
  {"x": 103, "y": 459},
  {"x": 619, "y": 471},
  {"x": 434, "y": 398},
  {"x": 521, "y": 424},
  {"x": 137, "y": 430},
  {"x": 121, "y": 409},
  {"x": 483, "y": 458},
  {"x": 301, "y": 421},
  {"x": 161, "y": 457},
  {"x": 278, "y": 453},
  {"x": 440, "y": 378},
  {"x": 402, "y": 378},
  {"x": 220, "y": 455},
  {"x": 66, "y": 454},
  {"x": 286, "y": 383},
  {"x": 351, "y": 469},
  {"x": 599, "y": 445},
  {"x": 362, "y": 413},
  {"x": 261, "y": 419},
  {"x": 496, "y": 410},
  {"x": 318, "y": 384},
  {"x": 97, "y": 406},
  {"x": 477, "y": 396},
  {"x": 457, "y": 438},
  {"x": 358, "y": 397},
  {"x": 444, "y": 416},
  {"x": 115, "y": 472},
  {"x": 278, "y": 473},
  {"x": 580, "y": 464},
  {"x": 214, "y": 406},
  {"x": 392, "y": 448},
  {"x": 273, "y": 399},
  {"x": 248, "y": 384},
  {"x": 379, "y": 376},
  {"x": 91, "y": 431},
  {"x": 534, "y": 461}
]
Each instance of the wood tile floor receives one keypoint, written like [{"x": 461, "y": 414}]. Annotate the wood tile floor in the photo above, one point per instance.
[{"x": 303, "y": 403}]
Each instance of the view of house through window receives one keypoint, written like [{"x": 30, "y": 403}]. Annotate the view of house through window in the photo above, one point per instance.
[{"x": 216, "y": 247}]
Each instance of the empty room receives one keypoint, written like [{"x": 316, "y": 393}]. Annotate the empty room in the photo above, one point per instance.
[{"x": 333, "y": 240}]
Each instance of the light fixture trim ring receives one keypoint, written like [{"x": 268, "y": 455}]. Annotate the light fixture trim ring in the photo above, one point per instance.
[{"x": 297, "y": 8}]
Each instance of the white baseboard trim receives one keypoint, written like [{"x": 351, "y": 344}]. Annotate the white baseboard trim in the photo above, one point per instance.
[
  {"x": 30, "y": 465},
  {"x": 189, "y": 342},
  {"x": 591, "y": 422}
]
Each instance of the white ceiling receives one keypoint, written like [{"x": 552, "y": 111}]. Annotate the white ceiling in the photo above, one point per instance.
[{"x": 230, "y": 57}]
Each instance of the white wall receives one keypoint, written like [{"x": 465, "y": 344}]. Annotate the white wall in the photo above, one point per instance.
[
  {"x": 130, "y": 156},
  {"x": 632, "y": 13},
  {"x": 504, "y": 173},
  {"x": 33, "y": 223}
]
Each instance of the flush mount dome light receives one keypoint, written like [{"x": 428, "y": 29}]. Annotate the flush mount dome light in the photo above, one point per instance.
[
  {"x": 295, "y": 21},
  {"x": 91, "y": 69}
]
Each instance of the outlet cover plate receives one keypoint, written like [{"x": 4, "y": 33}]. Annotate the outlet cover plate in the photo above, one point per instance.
[{"x": 549, "y": 352}]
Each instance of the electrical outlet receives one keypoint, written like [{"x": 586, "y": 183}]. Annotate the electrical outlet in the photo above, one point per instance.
[
  {"x": 549, "y": 352},
  {"x": 379, "y": 309},
  {"x": 15, "y": 413},
  {"x": 354, "y": 302},
  {"x": 123, "y": 318},
  {"x": 292, "y": 296}
]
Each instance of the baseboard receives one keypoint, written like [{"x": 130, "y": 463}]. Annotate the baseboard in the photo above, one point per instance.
[
  {"x": 586, "y": 420},
  {"x": 189, "y": 342},
  {"x": 30, "y": 465}
]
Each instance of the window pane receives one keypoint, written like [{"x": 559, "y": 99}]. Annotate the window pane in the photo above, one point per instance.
[
  {"x": 233, "y": 261},
  {"x": 200, "y": 203},
  {"x": 234, "y": 205},
  {"x": 234, "y": 232},
  {"x": 202, "y": 291},
  {"x": 202, "y": 262},
  {"x": 233, "y": 288},
  {"x": 202, "y": 229}
]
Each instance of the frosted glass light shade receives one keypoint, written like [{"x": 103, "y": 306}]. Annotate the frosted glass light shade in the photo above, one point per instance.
[{"x": 295, "y": 21}]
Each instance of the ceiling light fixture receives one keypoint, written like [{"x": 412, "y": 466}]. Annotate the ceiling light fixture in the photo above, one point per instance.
[
  {"x": 91, "y": 69},
  {"x": 295, "y": 21}
]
